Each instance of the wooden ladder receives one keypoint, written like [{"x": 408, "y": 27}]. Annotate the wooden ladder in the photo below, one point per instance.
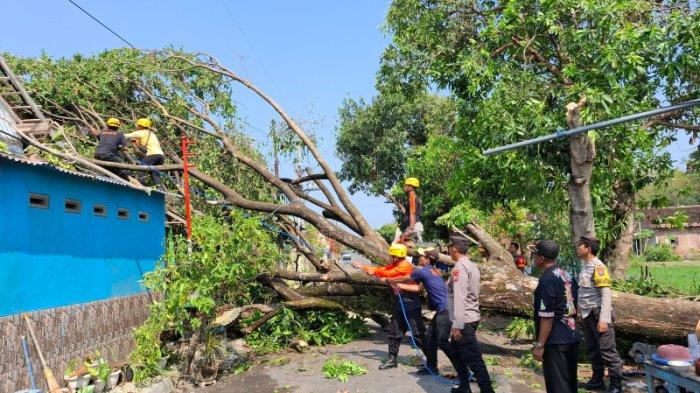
[{"x": 14, "y": 96}]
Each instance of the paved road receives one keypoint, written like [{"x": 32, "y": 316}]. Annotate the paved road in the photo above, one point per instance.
[{"x": 301, "y": 373}]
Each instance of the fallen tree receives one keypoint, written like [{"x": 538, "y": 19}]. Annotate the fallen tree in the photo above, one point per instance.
[{"x": 187, "y": 96}]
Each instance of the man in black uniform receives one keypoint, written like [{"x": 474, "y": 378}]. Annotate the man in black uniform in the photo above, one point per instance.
[{"x": 111, "y": 141}]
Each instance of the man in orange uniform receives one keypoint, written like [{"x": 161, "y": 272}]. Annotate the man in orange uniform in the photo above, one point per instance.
[{"x": 399, "y": 267}]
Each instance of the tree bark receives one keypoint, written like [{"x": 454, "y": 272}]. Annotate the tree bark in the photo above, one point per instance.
[
  {"x": 618, "y": 260},
  {"x": 582, "y": 153}
]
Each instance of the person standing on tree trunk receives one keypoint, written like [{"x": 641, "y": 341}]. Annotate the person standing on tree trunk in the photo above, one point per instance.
[
  {"x": 411, "y": 228},
  {"x": 555, "y": 324},
  {"x": 110, "y": 144},
  {"x": 146, "y": 138},
  {"x": 463, "y": 306},
  {"x": 597, "y": 316},
  {"x": 399, "y": 267}
]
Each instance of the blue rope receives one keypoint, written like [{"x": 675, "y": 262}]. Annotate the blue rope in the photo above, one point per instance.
[{"x": 437, "y": 377}]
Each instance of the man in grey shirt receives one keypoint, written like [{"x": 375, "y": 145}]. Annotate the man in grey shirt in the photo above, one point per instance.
[
  {"x": 595, "y": 306},
  {"x": 463, "y": 306}
]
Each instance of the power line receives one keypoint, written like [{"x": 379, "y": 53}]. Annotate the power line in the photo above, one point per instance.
[
  {"x": 255, "y": 53},
  {"x": 102, "y": 24}
]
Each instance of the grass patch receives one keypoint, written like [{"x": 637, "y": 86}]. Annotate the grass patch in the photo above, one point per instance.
[
  {"x": 341, "y": 369},
  {"x": 683, "y": 276}
]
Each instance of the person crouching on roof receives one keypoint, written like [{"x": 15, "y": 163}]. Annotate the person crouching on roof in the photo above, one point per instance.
[
  {"x": 110, "y": 144},
  {"x": 146, "y": 138},
  {"x": 399, "y": 267}
]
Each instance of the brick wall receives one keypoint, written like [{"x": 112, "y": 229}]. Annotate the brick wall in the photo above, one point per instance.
[{"x": 66, "y": 333}]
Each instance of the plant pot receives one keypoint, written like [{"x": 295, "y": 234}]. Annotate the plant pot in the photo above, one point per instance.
[
  {"x": 127, "y": 373},
  {"x": 72, "y": 383},
  {"x": 99, "y": 386},
  {"x": 113, "y": 379},
  {"x": 82, "y": 381}
]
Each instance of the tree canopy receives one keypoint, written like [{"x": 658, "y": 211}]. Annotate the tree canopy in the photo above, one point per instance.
[{"x": 511, "y": 68}]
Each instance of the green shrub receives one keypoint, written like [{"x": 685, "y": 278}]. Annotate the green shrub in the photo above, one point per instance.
[
  {"x": 226, "y": 256},
  {"x": 660, "y": 253},
  {"x": 315, "y": 327},
  {"x": 646, "y": 287}
]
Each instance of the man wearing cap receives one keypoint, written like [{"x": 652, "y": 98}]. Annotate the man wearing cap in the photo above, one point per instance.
[
  {"x": 408, "y": 302},
  {"x": 595, "y": 306},
  {"x": 428, "y": 277},
  {"x": 411, "y": 227},
  {"x": 555, "y": 324},
  {"x": 463, "y": 306}
]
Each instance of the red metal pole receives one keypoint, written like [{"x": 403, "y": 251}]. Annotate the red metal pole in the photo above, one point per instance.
[{"x": 186, "y": 179}]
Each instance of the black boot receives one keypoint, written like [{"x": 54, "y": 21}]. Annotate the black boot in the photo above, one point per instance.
[
  {"x": 390, "y": 363},
  {"x": 615, "y": 385},
  {"x": 595, "y": 383}
]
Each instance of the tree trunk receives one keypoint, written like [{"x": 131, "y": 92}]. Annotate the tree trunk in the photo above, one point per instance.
[
  {"x": 506, "y": 289},
  {"x": 582, "y": 153},
  {"x": 618, "y": 260}
]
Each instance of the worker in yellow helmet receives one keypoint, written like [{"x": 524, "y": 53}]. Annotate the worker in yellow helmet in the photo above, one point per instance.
[
  {"x": 399, "y": 267},
  {"x": 411, "y": 228},
  {"x": 144, "y": 137},
  {"x": 110, "y": 144}
]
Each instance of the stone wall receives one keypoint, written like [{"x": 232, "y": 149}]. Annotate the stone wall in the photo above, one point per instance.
[{"x": 66, "y": 333}]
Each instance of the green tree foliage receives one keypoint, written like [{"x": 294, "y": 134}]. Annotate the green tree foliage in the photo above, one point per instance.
[
  {"x": 82, "y": 91},
  {"x": 228, "y": 253},
  {"x": 511, "y": 68}
]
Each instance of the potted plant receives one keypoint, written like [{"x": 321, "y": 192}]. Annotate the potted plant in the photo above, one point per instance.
[
  {"x": 207, "y": 359},
  {"x": 113, "y": 379},
  {"x": 101, "y": 374},
  {"x": 75, "y": 377}
]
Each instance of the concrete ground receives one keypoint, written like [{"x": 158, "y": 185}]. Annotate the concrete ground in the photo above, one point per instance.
[{"x": 301, "y": 372}]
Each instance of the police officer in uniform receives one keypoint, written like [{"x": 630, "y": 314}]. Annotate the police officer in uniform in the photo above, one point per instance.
[
  {"x": 463, "y": 306},
  {"x": 595, "y": 306}
]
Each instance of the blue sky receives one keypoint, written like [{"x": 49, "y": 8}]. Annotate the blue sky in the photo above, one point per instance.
[{"x": 308, "y": 55}]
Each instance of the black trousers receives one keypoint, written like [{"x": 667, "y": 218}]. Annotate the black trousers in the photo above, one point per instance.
[
  {"x": 155, "y": 159},
  {"x": 438, "y": 337},
  {"x": 465, "y": 354},
  {"x": 113, "y": 158},
  {"x": 601, "y": 347},
  {"x": 398, "y": 327},
  {"x": 559, "y": 366}
]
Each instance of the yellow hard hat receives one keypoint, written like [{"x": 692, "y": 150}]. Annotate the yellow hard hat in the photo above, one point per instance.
[
  {"x": 114, "y": 122},
  {"x": 412, "y": 181},
  {"x": 144, "y": 122},
  {"x": 398, "y": 250}
]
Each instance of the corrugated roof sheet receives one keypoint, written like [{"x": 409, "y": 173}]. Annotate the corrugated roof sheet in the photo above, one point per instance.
[{"x": 28, "y": 161}]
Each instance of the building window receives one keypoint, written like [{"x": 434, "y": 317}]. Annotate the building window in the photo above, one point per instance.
[
  {"x": 123, "y": 214},
  {"x": 99, "y": 210},
  {"x": 39, "y": 201},
  {"x": 143, "y": 216},
  {"x": 72, "y": 206}
]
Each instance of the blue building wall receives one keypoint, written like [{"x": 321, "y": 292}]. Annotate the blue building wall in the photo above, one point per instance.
[{"x": 50, "y": 257}]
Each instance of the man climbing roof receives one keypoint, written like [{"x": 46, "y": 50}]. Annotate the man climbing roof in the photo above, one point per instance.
[
  {"x": 109, "y": 145},
  {"x": 146, "y": 138},
  {"x": 411, "y": 228}
]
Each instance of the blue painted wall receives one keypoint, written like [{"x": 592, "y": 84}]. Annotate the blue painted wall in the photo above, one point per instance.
[{"x": 50, "y": 257}]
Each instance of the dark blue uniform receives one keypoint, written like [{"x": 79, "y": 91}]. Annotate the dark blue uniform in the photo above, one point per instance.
[{"x": 439, "y": 329}]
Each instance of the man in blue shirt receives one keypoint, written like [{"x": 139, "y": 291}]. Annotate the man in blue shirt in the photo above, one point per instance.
[
  {"x": 430, "y": 278},
  {"x": 555, "y": 321}
]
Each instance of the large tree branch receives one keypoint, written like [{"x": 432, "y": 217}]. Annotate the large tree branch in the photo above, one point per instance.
[
  {"x": 213, "y": 65},
  {"x": 553, "y": 69}
]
